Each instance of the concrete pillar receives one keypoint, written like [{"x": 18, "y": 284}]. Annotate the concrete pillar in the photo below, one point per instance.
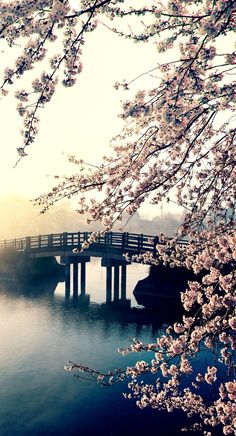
[
  {"x": 82, "y": 277},
  {"x": 108, "y": 283},
  {"x": 116, "y": 282},
  {"x": 123, "y": 282},
  {"x": 75, "y": 279},
  {"x": 67, "y": 278}
]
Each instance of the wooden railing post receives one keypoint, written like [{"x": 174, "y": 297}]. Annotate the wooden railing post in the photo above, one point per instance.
[
  {"x": 39, "y": 241},
  {"x": 141, "y": 243},
  {"x": 64, "y": 238},
  {"x": 50, "y": 240},
  {"x": 123, "y": 240},
  {"x": 28, "y": 242}
]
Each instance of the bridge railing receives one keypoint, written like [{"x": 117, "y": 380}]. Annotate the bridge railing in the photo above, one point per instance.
[
  {"x": 138, "y": 243},
  {"x": 16, "y": 244}
]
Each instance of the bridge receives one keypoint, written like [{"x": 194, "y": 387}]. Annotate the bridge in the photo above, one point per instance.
[
  {"x": 112, "y": 243},
  {"x": 110, "y": 247}
]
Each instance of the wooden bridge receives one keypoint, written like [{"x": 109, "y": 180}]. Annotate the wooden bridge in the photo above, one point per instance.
[
  {"x": 110, "y": 247},
  {"x": 112, "y": 243}
]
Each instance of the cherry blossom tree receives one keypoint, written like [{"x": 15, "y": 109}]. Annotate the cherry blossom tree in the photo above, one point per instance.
[
  {"x": 177, "y": 142},
  {"x": 207, "y": 329},
  {"x": 177, "y": 135}
]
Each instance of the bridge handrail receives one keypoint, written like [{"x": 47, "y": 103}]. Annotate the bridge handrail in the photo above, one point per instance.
[{"x": 125, "y": 241}]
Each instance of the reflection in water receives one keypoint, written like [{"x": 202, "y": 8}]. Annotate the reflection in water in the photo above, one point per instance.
[{"x": 41, "y": 330}]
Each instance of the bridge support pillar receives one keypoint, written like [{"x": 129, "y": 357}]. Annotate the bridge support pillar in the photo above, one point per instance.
[
  {"x": 123, "y": 282},
  {"x": 116, "y": 282},
  {"x": 75, "y": 279},
  {"x": 82, "y": 278},
  {"x": 108, "y": 283},
  {"x": 75, "y": 261},
  {"x": 79, "y": 260},
  {"x": 67, "y": 279},
  {"x": 118, "y": 285}
]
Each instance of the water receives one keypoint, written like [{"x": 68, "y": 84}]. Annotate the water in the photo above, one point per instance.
[{"x": 40, "y": 330}]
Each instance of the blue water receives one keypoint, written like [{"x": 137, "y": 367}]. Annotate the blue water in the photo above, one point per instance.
[{"x": 40, "y": 330}]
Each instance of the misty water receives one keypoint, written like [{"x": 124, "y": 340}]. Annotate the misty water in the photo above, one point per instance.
[{"x": 41, "y": 329}]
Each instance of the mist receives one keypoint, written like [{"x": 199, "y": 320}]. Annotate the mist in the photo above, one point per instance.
[{"x": 19, "y": 218}]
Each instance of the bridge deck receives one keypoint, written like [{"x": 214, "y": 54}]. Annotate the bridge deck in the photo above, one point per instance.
[{"x": 61, "y": 243}]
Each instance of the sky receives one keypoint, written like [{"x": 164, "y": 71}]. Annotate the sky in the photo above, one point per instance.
[
  {"x": 18, "y": 219},
  {"x": 79, "y": 120}
]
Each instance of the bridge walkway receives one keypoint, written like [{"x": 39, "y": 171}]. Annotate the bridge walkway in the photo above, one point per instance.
[{"x": 60, "y": 242}]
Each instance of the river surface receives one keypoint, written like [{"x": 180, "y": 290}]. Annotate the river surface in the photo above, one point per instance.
[{"x": 40, "y": 330}]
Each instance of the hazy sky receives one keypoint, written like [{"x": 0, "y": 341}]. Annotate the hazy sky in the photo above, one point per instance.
[
  {"x": 79, "y": 120},
  {"x": 18, "y": 219}
]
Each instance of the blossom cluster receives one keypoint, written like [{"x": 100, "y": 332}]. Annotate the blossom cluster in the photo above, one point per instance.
[{"x": 208, "y": 323}]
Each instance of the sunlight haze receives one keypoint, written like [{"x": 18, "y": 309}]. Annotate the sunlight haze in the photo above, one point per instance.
[{"x": 80, "y": 120}]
